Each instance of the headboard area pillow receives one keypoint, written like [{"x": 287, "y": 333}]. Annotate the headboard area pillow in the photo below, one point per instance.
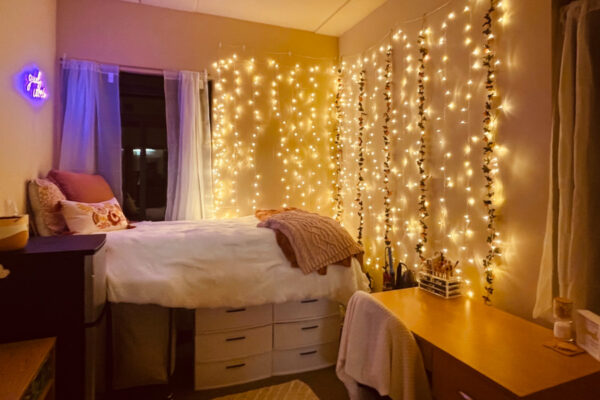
[
  {"x": 85, "y": 188},
  {"x": 86, "y": 218},
  {"x": 44, "y": 199}
]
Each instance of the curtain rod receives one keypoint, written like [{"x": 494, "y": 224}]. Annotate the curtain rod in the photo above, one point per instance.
[{"x": 127, "y": 68}]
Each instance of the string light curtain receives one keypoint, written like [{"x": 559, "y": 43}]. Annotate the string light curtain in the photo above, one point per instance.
[
  {"x": 387, "y": 141},
  {"x": 274, "y": 125},
  {"x": 435, "y": 178}
]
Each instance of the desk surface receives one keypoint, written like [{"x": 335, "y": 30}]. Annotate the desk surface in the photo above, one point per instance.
[{"x": 505, "y": 348}]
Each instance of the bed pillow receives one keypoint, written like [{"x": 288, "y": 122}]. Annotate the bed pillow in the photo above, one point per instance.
[
  {"x": 44, "y": 199},
  {"x": 85, "y": 218},
  {"x": 85, "y": 188}
]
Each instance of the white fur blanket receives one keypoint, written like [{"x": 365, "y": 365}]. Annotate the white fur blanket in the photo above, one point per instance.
[{"x": 214, "y": 263}]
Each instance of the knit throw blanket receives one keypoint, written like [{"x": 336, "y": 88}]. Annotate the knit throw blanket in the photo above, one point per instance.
[{"x": 316, "y": 241}]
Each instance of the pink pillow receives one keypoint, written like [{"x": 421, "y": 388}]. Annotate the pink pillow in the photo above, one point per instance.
[
  {"x": 44, "y": 198},
  {"x": 85, "y": 188},
  {"x": 85, "y": 218}
]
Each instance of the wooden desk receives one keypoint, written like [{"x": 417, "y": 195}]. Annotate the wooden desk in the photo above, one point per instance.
[
  {"x": 27, "y": 370},
  {"x": 478, "y": 352}
]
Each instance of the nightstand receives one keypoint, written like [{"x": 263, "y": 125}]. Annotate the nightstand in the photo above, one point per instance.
[{"x": 56, "y": 287}]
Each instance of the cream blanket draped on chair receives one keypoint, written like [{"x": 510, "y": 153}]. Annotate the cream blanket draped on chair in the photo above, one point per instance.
[
  {"x": 570, "y": 265},
  {"x": 378, "y": 351}
]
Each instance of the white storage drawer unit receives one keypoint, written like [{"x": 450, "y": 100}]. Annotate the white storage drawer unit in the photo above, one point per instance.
[
  {"x": 232, "y": 372},
  {"x": 309, "y": 332},
  {"x": 238, "y": 345},
  {"x": 220, "y": 319},
  {"x": 305, "y": 358},
  {"x": 234, "y": 344},
  {"x": 304, "y": 309}
]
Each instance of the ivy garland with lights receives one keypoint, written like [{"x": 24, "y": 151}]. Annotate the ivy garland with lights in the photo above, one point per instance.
[
  {"x": 489, "y": 160},
  {"x": 361, "y": 156},
  {"x": 387, "y": 95},
  {"x": 339, "y": 205},
  {"x": 423, "y": 205}
]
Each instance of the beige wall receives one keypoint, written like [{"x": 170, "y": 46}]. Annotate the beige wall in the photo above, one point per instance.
[
  {"x": 118, "y": 32},
  {"x": 525, "y": 83},
  {"x": 27, "y": 36}
]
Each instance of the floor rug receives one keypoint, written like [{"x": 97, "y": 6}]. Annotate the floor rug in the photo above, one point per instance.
[{"x": 294, "y": 390}]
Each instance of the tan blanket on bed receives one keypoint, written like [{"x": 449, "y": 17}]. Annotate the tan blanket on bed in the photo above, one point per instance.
[{"x": 310, "y": 241}]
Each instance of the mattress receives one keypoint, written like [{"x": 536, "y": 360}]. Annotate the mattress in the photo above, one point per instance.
[{"x": 214, "y": 263}]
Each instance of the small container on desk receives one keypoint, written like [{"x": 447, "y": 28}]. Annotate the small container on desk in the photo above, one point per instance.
[{"x": 440, "y": 285}]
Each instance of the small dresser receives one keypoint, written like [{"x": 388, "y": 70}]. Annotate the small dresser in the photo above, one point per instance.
[
  {"x": 238, "y": 345},
  {"x": 56, "y": 287},
  {"x": 27, "y": 370}
]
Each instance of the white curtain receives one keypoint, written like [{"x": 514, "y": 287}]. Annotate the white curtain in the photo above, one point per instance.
[
  {"x": 189, "y": 184},
  {"x": 570, "y": 265},
  {"x": 91, "y": 131}
]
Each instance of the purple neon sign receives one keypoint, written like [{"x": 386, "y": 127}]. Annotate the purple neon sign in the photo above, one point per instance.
[{"x": 33, "y": 84}]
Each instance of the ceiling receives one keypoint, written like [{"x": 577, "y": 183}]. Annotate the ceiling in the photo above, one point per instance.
[{"x": 327, "y": 17}]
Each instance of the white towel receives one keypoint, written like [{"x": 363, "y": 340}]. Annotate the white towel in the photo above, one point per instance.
[{"x": 378, "y": 351}]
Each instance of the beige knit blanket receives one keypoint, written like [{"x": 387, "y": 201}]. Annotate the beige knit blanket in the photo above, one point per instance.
[{"x": 317, "y": 241}]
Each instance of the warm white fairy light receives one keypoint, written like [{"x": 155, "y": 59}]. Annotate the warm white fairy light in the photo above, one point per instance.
[
  {"x": 240, "y": 121},
  {"x": 301, "y": 114},
  {"x": 257, "y": 129}
]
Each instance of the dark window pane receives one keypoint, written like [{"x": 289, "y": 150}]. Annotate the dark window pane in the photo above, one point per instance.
[{"x": 144, "y": 146}]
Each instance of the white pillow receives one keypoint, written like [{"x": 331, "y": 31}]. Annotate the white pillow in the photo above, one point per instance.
[{"x": 84, "y": 218}]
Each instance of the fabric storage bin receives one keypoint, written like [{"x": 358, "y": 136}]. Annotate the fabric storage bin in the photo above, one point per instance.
[
  {"x": 304, "y": 309},
  {"x": 305, "y": 358},
  {"x": 233, "y": 344},
  {"x": 310, "y": 332},
  {"x": 220, "y": 319},
  {"x": 225, "y": 373}
]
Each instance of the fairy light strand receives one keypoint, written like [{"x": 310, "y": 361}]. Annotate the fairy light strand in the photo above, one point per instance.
[
  {"x": 387, "y": 95},
  {"x": 361, "y": 156},
  {"x": 490, "y": 167},
  {"x": 423, "y": 206},
  {"x": 339, "y": 205}
]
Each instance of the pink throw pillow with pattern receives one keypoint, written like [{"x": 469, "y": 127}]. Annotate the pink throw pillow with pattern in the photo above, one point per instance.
[{"x": 44, "y": 198}]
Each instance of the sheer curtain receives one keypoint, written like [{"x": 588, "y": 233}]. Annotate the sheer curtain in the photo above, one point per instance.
[
  {"x": 189, "y": 184},
  {"x": 570, "y": 265},
  {"x": 91, "y": 131}
]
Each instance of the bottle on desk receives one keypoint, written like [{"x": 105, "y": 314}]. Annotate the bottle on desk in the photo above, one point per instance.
[{"x": 563, "y": 319}]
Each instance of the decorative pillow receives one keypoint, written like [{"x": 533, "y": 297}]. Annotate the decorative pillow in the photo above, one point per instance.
[
  {"x": 85, "y": 188},
  {"x": 44, "y": 198},
  {"x": 84, "y": 218}
]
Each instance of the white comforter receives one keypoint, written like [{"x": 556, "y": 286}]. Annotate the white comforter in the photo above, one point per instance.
[{"x": 214, "y": 263}]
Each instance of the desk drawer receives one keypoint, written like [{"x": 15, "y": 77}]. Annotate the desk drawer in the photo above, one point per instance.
[
  {"x": 233, "y": 372},
  {"x": 225, "y": 318},
  {"x": 233, "y": 344},
  {"x": 292, "y": 335},
  {"x": 304, "y": 309},
  {"x": 453, "y": 380}
]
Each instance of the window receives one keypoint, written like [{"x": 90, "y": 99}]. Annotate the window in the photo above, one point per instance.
[{"x": 144, "y": 146}]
